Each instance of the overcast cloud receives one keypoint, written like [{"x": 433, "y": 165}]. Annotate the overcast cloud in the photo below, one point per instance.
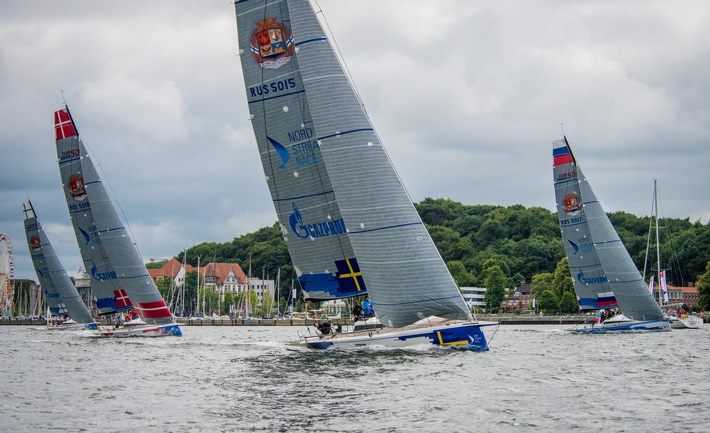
[{"x": 466, "y": 95}]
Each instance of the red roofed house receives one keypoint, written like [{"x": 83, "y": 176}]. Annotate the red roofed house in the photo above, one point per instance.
[{"x": 171, "y": 269}]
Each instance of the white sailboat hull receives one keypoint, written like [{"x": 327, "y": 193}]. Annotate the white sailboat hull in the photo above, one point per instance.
[
  {"x": 465, "y": 335},
  {"x": 688, "y": 322},
  {"x": 170, "y": 329},
  {"x": 73, "y": 326}
]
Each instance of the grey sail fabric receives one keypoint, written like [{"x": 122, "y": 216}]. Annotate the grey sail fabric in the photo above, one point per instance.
[
  {"x": 603, "y": 273},
  {"x": 108, "y": 252},
  {"x": 300, "y": 187},
  {"x": 399, "y": 264},
  {"x": 60, "y": 293},
  {"x": 104, "y": 281}
]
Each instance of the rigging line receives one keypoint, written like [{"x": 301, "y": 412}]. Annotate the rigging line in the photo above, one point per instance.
[
  {"x": 648, "y": 239},
  {"x": 339, "y": 55},
  {"x": 356, "y": 92},
  {"x": 104, "y": 179}
]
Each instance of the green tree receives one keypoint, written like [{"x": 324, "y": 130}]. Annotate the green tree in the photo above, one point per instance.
[
  {"x": 542, "y": 282},
  {"x": 547, "y": 302},
  {"x": 562, "y": 281},
  {"x": 704, "y": 289},
  {"x": 491, "y": 231},
  {"x": 495, "y": 288},
  {"x": 568, "y": 303},
  {"x": 462, "y": 277},
  {"x": 268, "y": 305},
  {"x": 164, "y": 287},
  {"x": 226, "y": 302}
]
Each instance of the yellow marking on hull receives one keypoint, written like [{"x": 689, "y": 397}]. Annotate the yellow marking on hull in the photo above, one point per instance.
[{"x": 441, "y": 341}]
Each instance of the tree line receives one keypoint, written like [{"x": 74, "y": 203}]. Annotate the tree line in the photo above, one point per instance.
[{"x": 493, "y": 246}]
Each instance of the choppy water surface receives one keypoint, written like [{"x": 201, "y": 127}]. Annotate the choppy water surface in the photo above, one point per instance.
[{"x": 535, "y": 378}]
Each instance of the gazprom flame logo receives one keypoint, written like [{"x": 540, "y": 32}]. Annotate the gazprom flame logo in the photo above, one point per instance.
[
  {"x": 591, "y": 280},
  {"x": 315, "y": 230},
  {"x": 102, "y": 276}
]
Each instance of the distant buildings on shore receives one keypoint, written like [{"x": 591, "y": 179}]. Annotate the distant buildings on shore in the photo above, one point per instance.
[{"x": 220, "y": 277}]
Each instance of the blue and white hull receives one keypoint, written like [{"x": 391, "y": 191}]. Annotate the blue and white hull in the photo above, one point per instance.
[
  {"x": 464, "y": 335},
  {"x": 71, "y": 325},
  {"x": 170, "y": 329},
  {"x": 627, "y": 326}
]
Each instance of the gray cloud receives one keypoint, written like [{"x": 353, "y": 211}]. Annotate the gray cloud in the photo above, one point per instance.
[{"x": 466, "y": 96}]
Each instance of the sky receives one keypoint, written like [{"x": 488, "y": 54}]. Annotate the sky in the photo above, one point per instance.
[{"x": 466, "y": 96}]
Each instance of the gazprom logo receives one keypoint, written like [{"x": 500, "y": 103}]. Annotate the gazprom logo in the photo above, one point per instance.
[
  {"x": 102, "y": 276},
  {"x": 592, "y": 280},
  {"x": 315, "y": 230}
]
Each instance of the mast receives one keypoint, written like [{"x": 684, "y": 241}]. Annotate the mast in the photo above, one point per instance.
[
  {"x": 278, "y": 291},
  {"x": 197, "y": 300},
  {"x": 658, "y": 243}
]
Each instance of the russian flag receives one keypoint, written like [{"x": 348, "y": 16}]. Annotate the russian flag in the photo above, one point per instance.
[{"x": 561, "y": 155}]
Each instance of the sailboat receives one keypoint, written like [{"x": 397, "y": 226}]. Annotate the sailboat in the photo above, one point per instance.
[
  {"x": 349, "y": 224},
  {"x": 119, "y": 279},
  {"x": 604, "y": 275},
  {"x": 61, "y": 295},
  {"x": 678, "y": 320}
]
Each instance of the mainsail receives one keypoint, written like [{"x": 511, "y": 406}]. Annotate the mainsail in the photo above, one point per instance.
[
  {"x": 603, "y": 273},
  {"x": 61, "y": 295},
  {"x": 119, "y": 278},
  {"x": 348, "y": 222}
]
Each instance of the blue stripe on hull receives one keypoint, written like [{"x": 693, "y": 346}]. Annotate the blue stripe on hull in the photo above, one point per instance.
[
  {"x": 172, "y": 329},
  {"x": 464, "y": 336},
  {"x": 648, "y": 326}
]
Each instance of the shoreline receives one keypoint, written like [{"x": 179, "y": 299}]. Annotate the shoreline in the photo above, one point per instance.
[{"x": 503, "y": 320}]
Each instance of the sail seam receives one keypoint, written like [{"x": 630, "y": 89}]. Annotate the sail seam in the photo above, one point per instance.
[
  {"x": 353, "y": 131},
  {"x": 385, "y": 228},
  {"x": 310, "y": 41},
  {"x": 303, "y": 196}
]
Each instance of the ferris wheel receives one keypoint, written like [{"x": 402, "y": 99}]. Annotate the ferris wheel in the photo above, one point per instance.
[{"x": 7, "y": 275}]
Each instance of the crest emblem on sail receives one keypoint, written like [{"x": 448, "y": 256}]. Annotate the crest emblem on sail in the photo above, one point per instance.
[
  {"x": 572, "y": 204},
  {"x": 77, "y": 188},
  {"x": 35, "y": 244},
  {"x": 271, "y": 43}
]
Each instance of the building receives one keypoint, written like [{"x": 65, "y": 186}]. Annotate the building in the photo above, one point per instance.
[
  {"x": 224, "y": 278},
  {"x": 220, "y": 277},
  {"x": 474, "y": 297},
  {"x": 171, "y": 269},
  {"x": 518, "y": 301},
  {"x": 687, "y": 296}
]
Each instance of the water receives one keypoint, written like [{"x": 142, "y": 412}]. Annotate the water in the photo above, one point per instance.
[{"x": 534, "y": 379}]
